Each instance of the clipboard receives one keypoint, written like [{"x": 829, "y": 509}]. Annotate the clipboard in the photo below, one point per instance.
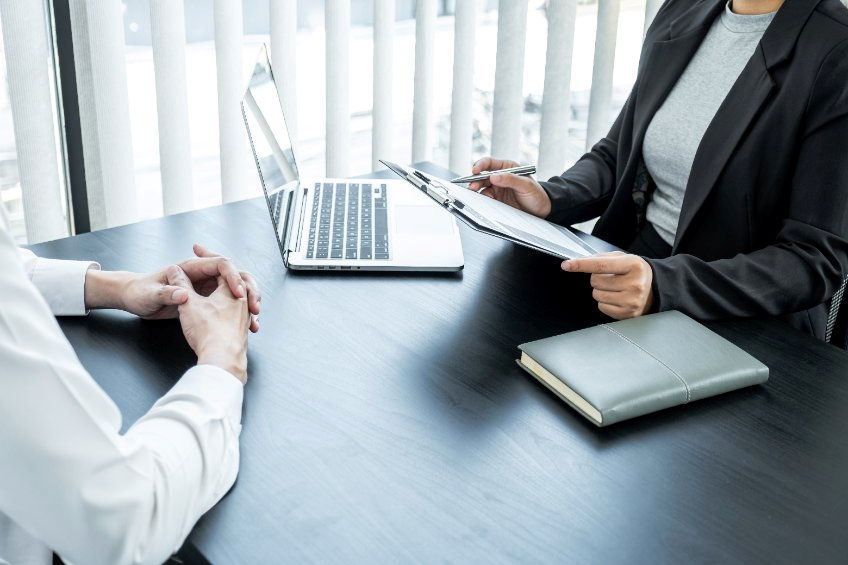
[{"x": 489, "y": 216}]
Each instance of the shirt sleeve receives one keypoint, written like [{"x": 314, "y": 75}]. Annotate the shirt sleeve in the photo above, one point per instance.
[
  {"x": 69, "y": 477},
  {"x": 60, "y": 282}
]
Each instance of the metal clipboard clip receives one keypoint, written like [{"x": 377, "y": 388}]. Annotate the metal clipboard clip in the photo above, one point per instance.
[
  {"x": 425, "y": 184},
  {"x": 435, "y": 191}
]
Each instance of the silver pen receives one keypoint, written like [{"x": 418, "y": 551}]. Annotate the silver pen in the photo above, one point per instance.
[{"x": 523, "y": 170}]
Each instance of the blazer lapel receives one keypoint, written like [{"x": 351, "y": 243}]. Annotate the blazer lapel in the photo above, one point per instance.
[
  {"x": 666, "y": 58},
  {"x": 740, "y": 107}
]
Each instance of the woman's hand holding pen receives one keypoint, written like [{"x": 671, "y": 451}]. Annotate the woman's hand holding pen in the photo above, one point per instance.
[
  {"x": 621, "y": 282},
  {"x": 524, "y": 193}
]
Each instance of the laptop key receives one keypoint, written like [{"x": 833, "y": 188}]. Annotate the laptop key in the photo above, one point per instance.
[{"x": 349, "y": 222}]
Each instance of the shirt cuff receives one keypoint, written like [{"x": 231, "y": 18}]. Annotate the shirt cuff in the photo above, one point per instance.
[
  {"x": 62, "y": 284},
  {"x": 216, "y": 386}
]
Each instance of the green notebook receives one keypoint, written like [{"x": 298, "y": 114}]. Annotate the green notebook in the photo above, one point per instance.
[{"x": 625, "y": 369}]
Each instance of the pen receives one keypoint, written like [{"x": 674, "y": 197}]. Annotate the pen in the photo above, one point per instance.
[{"x": 523, "y": 170}]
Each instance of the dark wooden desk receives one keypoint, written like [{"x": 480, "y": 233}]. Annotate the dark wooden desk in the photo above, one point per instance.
[{"x": 386, "y": 421}]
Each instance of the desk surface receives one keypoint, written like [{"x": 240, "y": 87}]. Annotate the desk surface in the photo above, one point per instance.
[{"x": 386, "y": 421}]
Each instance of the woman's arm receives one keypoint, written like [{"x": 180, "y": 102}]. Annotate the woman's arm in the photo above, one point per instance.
[
  {"x": 809, "y": 257},
  {"x": 802, "y": 268}
]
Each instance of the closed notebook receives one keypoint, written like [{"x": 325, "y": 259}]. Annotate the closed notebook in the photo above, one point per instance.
[{"x": 621, "y": 370}]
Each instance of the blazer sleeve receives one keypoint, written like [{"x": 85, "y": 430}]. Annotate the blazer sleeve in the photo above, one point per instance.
[{"x": 808, "y": 259}]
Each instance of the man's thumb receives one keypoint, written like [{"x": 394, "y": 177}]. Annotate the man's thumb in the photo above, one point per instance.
[{"x": 177, "y": 277}]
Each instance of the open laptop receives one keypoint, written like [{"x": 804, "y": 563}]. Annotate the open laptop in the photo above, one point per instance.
[{"x": 350, "y": 224}]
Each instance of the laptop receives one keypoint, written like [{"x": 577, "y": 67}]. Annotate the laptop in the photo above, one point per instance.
[{"x": 341, "y": 224}]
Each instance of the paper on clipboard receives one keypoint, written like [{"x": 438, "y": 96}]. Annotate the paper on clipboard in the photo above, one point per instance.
[{"x": 501, "y": 219}]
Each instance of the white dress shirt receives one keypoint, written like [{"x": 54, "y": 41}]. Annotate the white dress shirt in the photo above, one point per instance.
[{"x": 69, "y": 481}]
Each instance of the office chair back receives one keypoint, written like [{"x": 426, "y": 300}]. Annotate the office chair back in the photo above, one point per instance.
[{"x": 836, "y": 331}]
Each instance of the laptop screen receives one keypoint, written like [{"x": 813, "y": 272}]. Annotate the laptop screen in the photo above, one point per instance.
[{"x": 270, "y": 141}]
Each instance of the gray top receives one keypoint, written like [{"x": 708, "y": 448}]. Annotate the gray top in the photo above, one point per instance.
[{"x": 676, "y": 130}]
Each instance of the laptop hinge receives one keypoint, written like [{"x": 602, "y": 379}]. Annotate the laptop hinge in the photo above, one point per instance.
[
  {"x": 289, "y": 219},
  {"x": 299, "y": 203}
]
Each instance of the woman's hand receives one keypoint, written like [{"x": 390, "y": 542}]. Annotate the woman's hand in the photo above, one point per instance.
[
  {"x": 621, "y": 282},
  {"x": 519, "y": 192},
  {"x": 151, "y": 297},
  {"x": 214, "y": 326}
]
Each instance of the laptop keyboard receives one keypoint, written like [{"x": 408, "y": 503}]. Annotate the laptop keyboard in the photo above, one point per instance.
[{"x": 348, "y": 221}]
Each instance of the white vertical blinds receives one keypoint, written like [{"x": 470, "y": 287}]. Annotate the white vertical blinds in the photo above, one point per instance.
[
  {"x": 104, "y": 111},
  {"x": 228, "y": 35},
  {"x": 381, "y": 103},
  {"x": 26, "y": 44},
  {"x": 601, "y": 92},
  {"x": 167, "y": 27},
  {"x": 101, "y": 78},
  {"x": 461, "y": 124},
  {"x": 556, "y": 98},
  {"x": 337, "y": 25},
  {"x": 509, "y": 78},
  {"x": 422, "y": 105},
  {"x": 283, "y": 26}
]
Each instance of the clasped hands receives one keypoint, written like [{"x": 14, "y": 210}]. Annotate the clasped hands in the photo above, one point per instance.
[
  {"x": 621, "y": 282},
  {"x": 214, "y": 301}
]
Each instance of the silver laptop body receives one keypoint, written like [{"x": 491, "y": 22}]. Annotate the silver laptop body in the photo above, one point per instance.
[{"x": 349, "y": 224}]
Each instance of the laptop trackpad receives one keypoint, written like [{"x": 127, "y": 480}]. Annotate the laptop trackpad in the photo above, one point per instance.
[{"x": 422, "y": 220}]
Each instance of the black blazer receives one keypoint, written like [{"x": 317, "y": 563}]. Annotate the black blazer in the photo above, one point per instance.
[{"x": 764, "y": 224}]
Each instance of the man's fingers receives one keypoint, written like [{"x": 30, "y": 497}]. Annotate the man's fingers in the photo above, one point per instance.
[
  {"x": 170, "y": 295},
  {"x": 226, "y": 269},
  {"x": 215, "y": 266},
  {"x": 210, "y": 265},
  {"x": 610, "y": 264},
  {"x": 254, "y": 296},
  {"x": 201, "y": 251},
  {"x": 177, "y": 277},
  {"x": 236, "y": 285},
  {"x": 225, "y": 288},
  {"x": 222, "y": 266}
]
